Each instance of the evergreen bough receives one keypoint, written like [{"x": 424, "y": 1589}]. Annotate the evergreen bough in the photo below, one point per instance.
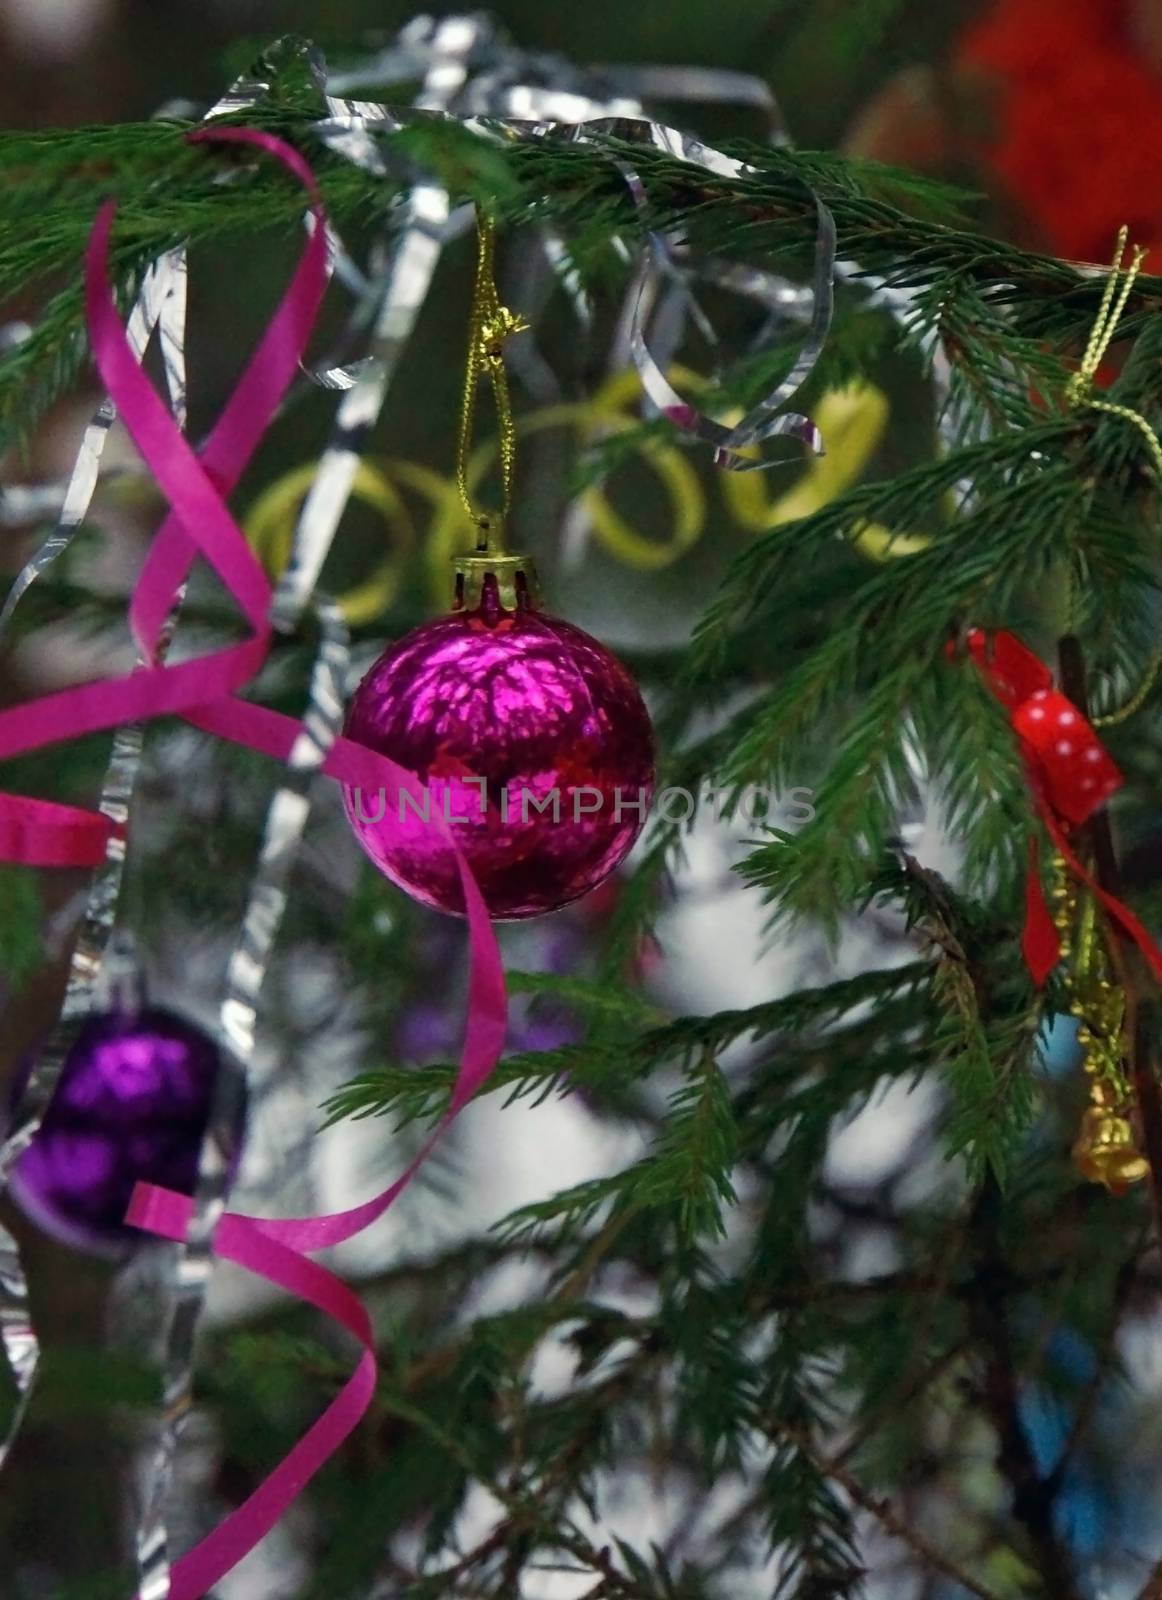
[{"x": 813, "y": 1422}]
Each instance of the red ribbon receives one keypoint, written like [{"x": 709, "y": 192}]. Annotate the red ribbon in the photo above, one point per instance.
[{"x": 1071, "y": 775}]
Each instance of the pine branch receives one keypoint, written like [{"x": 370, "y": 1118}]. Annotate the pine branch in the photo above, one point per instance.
[
  {"x": 986, "y": 1041},
  {"x": 21, "y": 924},
  {"x": 169, "y": 192},
  {"x": 890, "y": 1520},
  {"x": 810, "y": 1527},
  {"x": 421, "y": 1093}
]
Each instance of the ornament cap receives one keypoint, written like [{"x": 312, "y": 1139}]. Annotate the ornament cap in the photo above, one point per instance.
[{"x": 513, "y": 581}]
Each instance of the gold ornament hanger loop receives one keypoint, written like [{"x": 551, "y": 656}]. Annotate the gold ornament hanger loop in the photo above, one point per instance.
[
  {"x": 1119, "y": 283},
  {"x": 492, "y": 323},
  {"x": 1079, "y": 392}
]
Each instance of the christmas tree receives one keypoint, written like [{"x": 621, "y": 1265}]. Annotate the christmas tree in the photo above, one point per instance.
[{"x": 843, "y": 1289}]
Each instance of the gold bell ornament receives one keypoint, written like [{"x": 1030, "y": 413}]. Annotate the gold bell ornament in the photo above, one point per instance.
[{"x": 1106, "y": 1149}]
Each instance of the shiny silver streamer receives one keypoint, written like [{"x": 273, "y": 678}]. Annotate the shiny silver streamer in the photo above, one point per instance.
[
  {"x": 534, "y": 275},
  {"x": 692, "y": 84},
  {"x": 246, "y": 972},
  {"x": 159, "y": 286},
  {"x": 472, "y": 71},
  {"x": 557, "y": 255},
  {"x": 762, "y": 421},
  {"x": 652, "y": 354},
  {"x": 700, "y": 86},
  {"x": 571, "y": 96},
  {"x": 565, "y": 95},
  {"x": 349, "y": 131},
  {"x": 243, "y": 95},
  {"x": 781, "y": 297},
  {"x": 161, "y": 305},
  {"x": 408, "y": 282},
  {"x": 248, "y": 89},
  {"x": 544, "y": 105},
  {"x": 404, "y": 290},
  {"x": 533, "y": 94}
]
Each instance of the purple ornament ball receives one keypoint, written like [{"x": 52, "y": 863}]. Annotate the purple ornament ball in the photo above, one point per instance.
[
  {"x": 133, "y": 1104},
  {"x": 534, "y": 746}
]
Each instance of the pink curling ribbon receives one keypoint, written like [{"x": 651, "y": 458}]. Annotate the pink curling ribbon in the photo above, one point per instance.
[
  {"x": 44, "y": 834},
  {"x": 203, "y": 692}
]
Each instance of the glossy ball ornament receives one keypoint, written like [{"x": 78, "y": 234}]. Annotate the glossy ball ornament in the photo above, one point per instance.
[
  {"x": 532, "y": 742},
  {"x": 133, "y": 1103}
]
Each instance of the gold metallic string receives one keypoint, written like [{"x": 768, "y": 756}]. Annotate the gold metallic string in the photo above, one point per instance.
[
  {"x": 1080, "y": 392},
  {"x": 492, "y": 323},
  {"x": 1139, "y": 697},
  {"x": 1106, "y": 1149}
]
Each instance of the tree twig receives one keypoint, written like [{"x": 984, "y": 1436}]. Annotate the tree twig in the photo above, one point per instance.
[
  {"x": 1033, "y": 1496},
  {"x": 885, "y": 1514},
  {"x": 1124, "y": 1284}
]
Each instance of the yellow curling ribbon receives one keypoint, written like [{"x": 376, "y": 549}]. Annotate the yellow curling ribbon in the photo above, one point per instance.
[
  {"x": 612, "y": 530},
  {"x": 853, "y": 421},
  {"x": 270, "y": 528},
  {"x": 607, "y": 412}
]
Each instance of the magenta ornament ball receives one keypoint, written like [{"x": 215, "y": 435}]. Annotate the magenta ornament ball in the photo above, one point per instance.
[
  {"x": 535, "y": 750},
  {"x": 133, "y": 1103}
]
